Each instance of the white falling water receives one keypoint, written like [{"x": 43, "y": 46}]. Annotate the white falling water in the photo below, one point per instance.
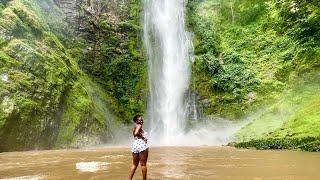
[
  {"x": 170, "y": 52},
  {"x": 168, "y": 47}
]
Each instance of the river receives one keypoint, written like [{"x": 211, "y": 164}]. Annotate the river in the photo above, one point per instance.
[{"x": 164, "y": 163}]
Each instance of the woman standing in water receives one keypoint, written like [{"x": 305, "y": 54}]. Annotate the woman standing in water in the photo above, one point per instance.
[{"x": 140, "y": 148}]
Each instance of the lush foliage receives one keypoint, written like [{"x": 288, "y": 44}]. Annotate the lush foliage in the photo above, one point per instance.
[
  {"x": 115, "y": 58},
  {"x": 306, "y": 143},
  {"x": 260, "y": 56},
  {"x": 300, "y": 19},
  {"x": 293, "y": 115},
  {"x": 45, "y": 99},
  {"x": 60, "y": 88},
  {"x": 249, "y": 51}
]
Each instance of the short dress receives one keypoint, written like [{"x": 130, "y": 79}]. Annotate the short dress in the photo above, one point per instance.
[{"x": 139, "y": 144}]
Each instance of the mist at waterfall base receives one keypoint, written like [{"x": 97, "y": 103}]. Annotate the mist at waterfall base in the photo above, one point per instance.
[{"x": 210, "y": 131}]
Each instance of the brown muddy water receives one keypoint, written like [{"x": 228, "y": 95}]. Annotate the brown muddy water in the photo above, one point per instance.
[{"x": 164, "y": 163}]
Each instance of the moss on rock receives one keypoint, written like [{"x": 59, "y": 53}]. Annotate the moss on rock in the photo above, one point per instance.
[{"x": 46, "y": 100}]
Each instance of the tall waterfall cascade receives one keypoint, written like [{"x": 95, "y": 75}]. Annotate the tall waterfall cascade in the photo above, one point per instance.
[{"x": 168, "y": 47}]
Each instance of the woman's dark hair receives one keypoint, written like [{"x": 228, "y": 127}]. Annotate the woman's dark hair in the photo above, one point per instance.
[{"x": 136, "y": 117}]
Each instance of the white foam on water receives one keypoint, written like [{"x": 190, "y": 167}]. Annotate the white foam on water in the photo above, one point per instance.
[
  {"x": 33, "y": 177},
  {"x": 91, "y": 166},
  {"x": 114, "y": 156}
]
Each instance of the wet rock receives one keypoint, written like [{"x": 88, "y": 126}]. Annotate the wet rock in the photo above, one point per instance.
[
  {"x": 205, "y": 102},
  {"x": 7, "y": 105},
  {"x": 4, "y": 77},
  {"x": 194, "y": 106},
  {"x": 270, "y": 74},
  {"x": 86, "y": 140},
  {"x": 251, "y": 96}
]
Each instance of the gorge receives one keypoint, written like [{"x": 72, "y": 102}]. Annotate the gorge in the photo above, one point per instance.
[{"x": 74, "y": 73}]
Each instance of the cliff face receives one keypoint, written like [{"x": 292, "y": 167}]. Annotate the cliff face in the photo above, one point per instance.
[
  {"x": 69, "y": 8},
  {"x": 53, "y": 60},
  {"x": 81, "y": 15},
  {"x": 113, "y": 55},
  {"x": 76, "y": 9}
]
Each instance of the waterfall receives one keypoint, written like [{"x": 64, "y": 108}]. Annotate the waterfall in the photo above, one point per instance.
[{"x": 168, "y": 46}]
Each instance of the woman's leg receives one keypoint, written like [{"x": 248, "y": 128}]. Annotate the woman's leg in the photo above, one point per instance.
[
  {"x": 143, "y": 161},
  {"x": 135, "y": 163}
]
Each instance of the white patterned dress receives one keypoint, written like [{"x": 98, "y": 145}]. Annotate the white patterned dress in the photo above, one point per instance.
[{"x": 139, "y": 144}]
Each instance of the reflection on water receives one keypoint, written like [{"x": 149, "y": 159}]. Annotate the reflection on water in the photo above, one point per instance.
[
  {"x": 172, "y": 164},
  {"x": 164, "y": 163}
]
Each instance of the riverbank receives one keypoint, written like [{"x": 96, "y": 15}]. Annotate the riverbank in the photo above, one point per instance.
[{"x": 305, "y": 144}]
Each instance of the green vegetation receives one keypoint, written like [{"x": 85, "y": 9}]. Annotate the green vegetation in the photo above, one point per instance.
[
  {"x": 294, "y": 115},
  {"x": 263, "y": 57},
  {"x": 306, "y": 143},
  {"x": 46, "y": 99},
  {"x": 115, "y": 58},
  {"x": 248, "y": 51},
  {"x": 67, "y": 87}
]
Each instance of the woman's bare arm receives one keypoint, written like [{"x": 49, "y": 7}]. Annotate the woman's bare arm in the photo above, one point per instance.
[{"x": 136, "y": 131}]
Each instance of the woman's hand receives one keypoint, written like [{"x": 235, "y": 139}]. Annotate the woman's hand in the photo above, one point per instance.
[
  {"x": 137, "y": 130},
  {"x": 144, "y": 136},
  {"x": 145, "y": 139}
]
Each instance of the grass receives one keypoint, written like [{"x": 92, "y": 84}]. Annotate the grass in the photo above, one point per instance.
[
  {"x": 305, "y": 144},
  {"x": 292, "y": 109},
  {"x": 295, "y": 116},
  {"x": 304, "y": 123}
]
